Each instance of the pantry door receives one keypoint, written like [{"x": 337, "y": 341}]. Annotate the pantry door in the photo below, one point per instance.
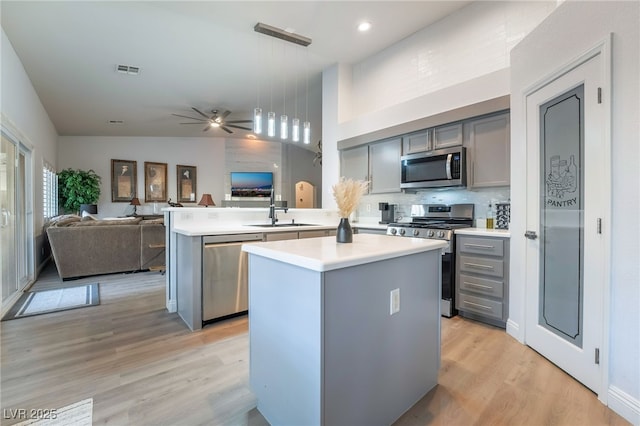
[{"x": 567, "y": 213}]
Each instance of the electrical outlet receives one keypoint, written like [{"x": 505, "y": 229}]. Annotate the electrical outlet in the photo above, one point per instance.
[
  {"x": 368, "y": 207},
  {"x": 394, "y": 301}
]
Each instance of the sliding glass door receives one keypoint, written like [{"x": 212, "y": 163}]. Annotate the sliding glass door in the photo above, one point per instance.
[{"x": 16, "y": 217}]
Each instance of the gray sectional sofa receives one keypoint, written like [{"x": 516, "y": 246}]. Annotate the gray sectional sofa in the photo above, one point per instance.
[{"x": 91, "y": 247}]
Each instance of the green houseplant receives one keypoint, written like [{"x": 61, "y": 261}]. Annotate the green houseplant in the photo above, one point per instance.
[{"x": 77, "y": 187}]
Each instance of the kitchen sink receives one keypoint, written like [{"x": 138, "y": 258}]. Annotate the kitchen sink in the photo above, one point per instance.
[{"x": 283, "y": 225}]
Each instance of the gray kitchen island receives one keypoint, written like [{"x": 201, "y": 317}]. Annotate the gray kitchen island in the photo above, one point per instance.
[{"x": 343, "y": 333}]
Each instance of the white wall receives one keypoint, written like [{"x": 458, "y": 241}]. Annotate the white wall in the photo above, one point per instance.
[
  {"x": 571, "y": 30},
  {"x": 24, "y": 116},
  {"x": 96, "y": 152},
  {"x": 460, "y": 60}
]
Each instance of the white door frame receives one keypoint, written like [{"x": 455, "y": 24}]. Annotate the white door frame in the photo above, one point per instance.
[{"x": 603, "y": 48}]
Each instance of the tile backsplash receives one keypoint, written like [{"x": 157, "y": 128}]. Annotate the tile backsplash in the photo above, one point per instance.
[{"x": 368, "y": 207}]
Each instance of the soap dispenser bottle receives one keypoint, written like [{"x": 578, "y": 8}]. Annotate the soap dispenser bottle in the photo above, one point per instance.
[{"x": 490, "y": 217}]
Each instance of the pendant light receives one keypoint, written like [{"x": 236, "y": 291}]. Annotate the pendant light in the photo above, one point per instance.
[
  {"x": 284, "y": 120},
  {"x": 291, "y": 37},
  {"x": 271, "y": 116},
  {"x": 306, "y": 131},
  {"x": 295, "y": 123}
]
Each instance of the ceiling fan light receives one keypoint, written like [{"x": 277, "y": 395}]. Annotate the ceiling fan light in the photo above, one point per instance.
[
  {"x": 257, "y": 121},
  {"x": 306, "y": 132},
  {"x": 284, "y": 127},
  {"x": 215, "y": 124},
  {"x": 295, "y": 130},
  {"x": 271, "y": 124}
]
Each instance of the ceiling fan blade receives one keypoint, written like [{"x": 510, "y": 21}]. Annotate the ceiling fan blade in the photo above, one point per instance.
[
  {"x": 190, "y": 118},
  {"x": 238, "y": 127},
  {"x": 206, "y": 129},
  {"x": 200, "y": 112},
  {"x": 200, "y": 123},
  {"x": 239, "y": 121},
  {"x": 225, "y": 114},
  {"x": 225, "y": 129}
]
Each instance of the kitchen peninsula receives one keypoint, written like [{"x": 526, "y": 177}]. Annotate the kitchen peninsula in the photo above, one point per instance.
[{"x": 343, "y": 333}]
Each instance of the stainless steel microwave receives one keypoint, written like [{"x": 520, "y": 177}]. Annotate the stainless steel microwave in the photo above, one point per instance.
[{"x": 434, "y": 169}]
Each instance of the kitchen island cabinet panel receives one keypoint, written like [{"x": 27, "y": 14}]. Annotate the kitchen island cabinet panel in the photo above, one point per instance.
[{"x": 325, "y": 348}]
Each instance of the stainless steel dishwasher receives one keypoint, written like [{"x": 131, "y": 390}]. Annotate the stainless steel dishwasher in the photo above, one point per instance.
[{"x": 224, "y": 275}]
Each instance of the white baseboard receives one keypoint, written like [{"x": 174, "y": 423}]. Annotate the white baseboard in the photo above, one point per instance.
[
  {"x": 624, "y": 404},
  {"x": 513, "y": 329},
  {"x": 172, "y": 306}
]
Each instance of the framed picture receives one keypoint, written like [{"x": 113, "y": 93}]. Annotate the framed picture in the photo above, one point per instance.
[
  {"x": 155, "y": 182},
  {"x": 124, "y": 175},
  {"x": 187, "y": 179}
]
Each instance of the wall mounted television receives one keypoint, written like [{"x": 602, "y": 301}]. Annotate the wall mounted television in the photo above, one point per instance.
[{"x": 251, "y": 184}]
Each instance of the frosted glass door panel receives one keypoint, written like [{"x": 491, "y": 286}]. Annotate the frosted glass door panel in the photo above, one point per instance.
[{"x": 561, "y": 215}]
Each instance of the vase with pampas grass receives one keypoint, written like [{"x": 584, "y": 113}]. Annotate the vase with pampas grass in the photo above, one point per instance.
[{"x": 347, "y": 193}]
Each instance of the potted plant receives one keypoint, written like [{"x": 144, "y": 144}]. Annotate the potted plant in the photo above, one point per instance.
[{"x": 76, "y": 187}]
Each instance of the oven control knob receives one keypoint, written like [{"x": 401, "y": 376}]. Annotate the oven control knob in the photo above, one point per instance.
[
  {"x": 393, "y": 231},
  {"x": 440, "y": 234},
  {"x": 416, "y": 232},
  {"x": 430, "y": 234},
  {"x": 402, "y": 231}
]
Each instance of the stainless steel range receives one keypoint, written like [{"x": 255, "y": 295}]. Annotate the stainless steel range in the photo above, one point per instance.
[{"x": 438, "y": 221}]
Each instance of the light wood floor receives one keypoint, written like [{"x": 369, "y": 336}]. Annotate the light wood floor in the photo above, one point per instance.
[{"x": 142, "y": 366}]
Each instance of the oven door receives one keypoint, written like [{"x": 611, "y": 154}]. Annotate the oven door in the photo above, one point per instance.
[
  {"x": 447, "y": 302},
  {"x": 441, "y": 168}
]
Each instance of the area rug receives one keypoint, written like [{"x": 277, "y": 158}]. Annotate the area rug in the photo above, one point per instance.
[
  {"x": 78, "y": 414},
  {"x": 47, "y": 301}
]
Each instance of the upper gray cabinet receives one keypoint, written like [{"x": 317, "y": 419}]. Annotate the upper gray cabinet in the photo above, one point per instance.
[
  {"x": 384, "y": 170},
  {"x": 447, "y": 136},
  {"x": 377, "y": 162},
  {"x": 354, "y": 163},
  {"x": 416, "y": 142},
  {"x": 488, "y": 151}
]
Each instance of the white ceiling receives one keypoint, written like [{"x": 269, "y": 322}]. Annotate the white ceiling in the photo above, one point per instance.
[{"x": 202, "y": 54}]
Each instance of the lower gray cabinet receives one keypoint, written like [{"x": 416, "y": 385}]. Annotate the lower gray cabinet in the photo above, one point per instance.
[{"x": 482, "y": 278}]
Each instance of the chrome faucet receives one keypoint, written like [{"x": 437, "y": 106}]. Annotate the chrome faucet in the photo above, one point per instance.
[{"x": 273, "y": 208}]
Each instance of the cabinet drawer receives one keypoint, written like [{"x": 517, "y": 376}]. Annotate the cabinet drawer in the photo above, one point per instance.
[
  {"x": 478, "y": 305},
  {"x": 479, "y": 265},
  {"x": 481, "y": 285},
  {"x": 475, "y": 245},
  {"x": 312, "y": 234}
]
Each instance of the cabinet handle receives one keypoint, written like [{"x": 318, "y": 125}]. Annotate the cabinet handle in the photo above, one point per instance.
[
  {"x": 477, "y": 285},
  {"x": 478, "y": 305},
  {"x": 475, "y": 265},
  {"x": 481, "y": 246}
]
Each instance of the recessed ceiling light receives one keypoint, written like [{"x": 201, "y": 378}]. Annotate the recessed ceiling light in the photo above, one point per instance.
[{"x": 364, "y": 26}]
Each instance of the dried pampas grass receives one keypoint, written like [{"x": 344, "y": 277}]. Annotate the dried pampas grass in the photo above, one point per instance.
[{"x": 347, "y": 193}]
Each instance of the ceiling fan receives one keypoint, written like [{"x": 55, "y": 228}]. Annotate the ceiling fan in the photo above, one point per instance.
[{"x": 215, "y": 120}]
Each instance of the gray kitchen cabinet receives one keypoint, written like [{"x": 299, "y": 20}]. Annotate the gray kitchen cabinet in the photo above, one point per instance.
[
  {"x": 384, "y": 166},
  {"x": 488, "y": 142},
  {"x": 416, "y": 142},
  {"x": 294, "y": 235},
  {"x": 354, "y": 163},
  {"x": 482, "y": 278},
  {"x": 278, "y": 236},
  {"x": 377, "y": 162},
  {"x": 447, "y": 136}
]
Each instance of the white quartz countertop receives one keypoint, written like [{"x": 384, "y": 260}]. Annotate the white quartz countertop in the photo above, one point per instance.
[
  {"x": 198, "y": 230},
  {"x": 325, "y": 254},
  {"x": 483, "y": 232}
]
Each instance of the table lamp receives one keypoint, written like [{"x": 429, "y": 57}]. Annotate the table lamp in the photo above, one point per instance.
[
  {"x": 135, "y": 203},
  {"x": 206, "y": 200}
]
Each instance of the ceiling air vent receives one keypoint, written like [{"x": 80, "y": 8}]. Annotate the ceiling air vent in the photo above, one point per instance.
[
  {"x": 116, "y": 121},
  {"x": 128, "y": 69}
]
